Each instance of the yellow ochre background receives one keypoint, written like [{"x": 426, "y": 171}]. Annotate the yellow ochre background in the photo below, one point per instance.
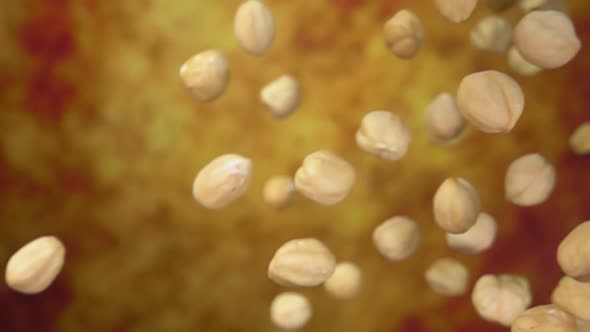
[{"x": 100, "y": 144}]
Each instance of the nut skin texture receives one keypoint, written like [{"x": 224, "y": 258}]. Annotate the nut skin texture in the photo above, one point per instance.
[
  {"x": 206, "y": 75},
  {"x": 448, "y": 277},
  {"x": 278, "y": 191},
  {"x": 404, "y": 34},
  {"x": 35, "y": 266},
  {"x": 382, "y": 134},
  {"x": 325, "y": 178},
  {"x": 290, "y": 311},
  {"x": 477, "y": 239},
  {"x": 443, "y": 120},
  {"x": 456, "y": 206},
  {"x": 302, "y": 262},
  {"x": 500, "y": 5},
  {"x": 573, "y": 253},
  {"x": 222, "y": 181},
  {"x": 574, "y": 297},
  {"x": 501, "y": 298},
  {"x": 345, "y": 282},
  {"x": 456, "y": 11},
  {"x": 491, "y": 101},
  {"x": 547, "y": 39},
  {"x": 492, "y": 34},
  {"x": 281, "y": 96},
  {"x": 544, "y": 318},
  {"x": 580, "y": 139},
  {"x": 518, "y": 64},
  {"x": 254, "y": 27},
  {"x": 397, "y": 238},
  {"x": 529, "y": 180}
]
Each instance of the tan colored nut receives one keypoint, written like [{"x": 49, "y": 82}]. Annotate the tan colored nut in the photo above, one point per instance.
[
  {"x": 383, "y": 135},
  {"x": 547, "y": 38},
  {"x": 500, "y": 5},
  {"x": 282, "y": 96},
  {"x": 345, "y": 282},
  {"x": 448, "y": 277},
  {"x": 254, "y": 27},
  {"x": 573, "y": 253},
  {"x": 404, "y": 34},
  {"x": 302, "y": 262},
  {"x": 222, "y": 181},
  {"x": 290, "y": 311},
  {"x": 456, "y": 205},
  {"x": 544, "y": 318},
  {"x": 491, "y": 101},
  {"x": 36, "y": 265},
  {"x": 574, "y": 297},
  {"x": 530, "y": 5},
  {"x": 443, "y": 120},
  {"x": 492, "y": 34},
  {"x": 397, "y": 238},
  {"x": 325, "y": 178},
  {"x": 206, "y": 75},
  {"x": 519, "y": 64},
  {"x": 580, "y": 139},
  {"x": 583, "y": 326},
  {"x": 278, "y": 191},
  {"x": 456, "y": 11},
  {"x": 529, "y": 180},
  {"x": 501, "y": 298},
  {"x": 477, "y": 239}
]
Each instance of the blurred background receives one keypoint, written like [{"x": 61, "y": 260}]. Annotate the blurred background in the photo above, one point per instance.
[{"x": 100, "y": 143}]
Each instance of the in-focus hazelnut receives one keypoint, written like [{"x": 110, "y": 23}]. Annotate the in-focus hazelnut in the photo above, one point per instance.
[
  {"x": 448, "y": 277},
  {"x": 501, "y": 298},
  {"x": 206, "y": 75},
  {"x": 456, "y": 11},
  {"x": 477, "y": 239},
  {"x": 404, "y": 34},
  {"x": 529, "y": 180},
  {"x": 443, "y": 120},
  {"x": 492, "y": 33},
  {"x": 518, "y": 64},
  {"x": 345, "y": 282},
  {"x": 580, "y": 139},
  {"x": 254, "y": 27},
  {"x": 278, "y": 191},
  {"x": 396, "y": 238},
  {"x": 383, "y": 135},
  {"x": 573, "y": 253},
  {"x": 456, "y": 205},
  {"x": 290, "y": 311},
  {"x": 282, "y": 96},
  {"x": 544, "y": 318},
  {"x": 574, "y": 297}
]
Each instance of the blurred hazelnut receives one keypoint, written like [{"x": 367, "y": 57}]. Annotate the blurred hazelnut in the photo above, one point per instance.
[
  {"x": 529, "y": 180},
  {"x": 492, "y": 33},
  {"x": 501, "y": 298},
  {"x": 290, "y": 311},
  {"x": 456, "y": 205},
  {"x": 205, "y": 75},
  {"x": 477, "y": 239},
  {"x": 282, "y": 96},
  {"x": 383, "y": 135},
  {"x": 345, "y": 282},
  {"x": 254, "y": 27},
  {"x": 574, "y": 297},
  {"x": 404, "y": 34},
  {"x": 544, "y": 318},
  {"x": 444, "y": 122},
  {"x": 448, "y": 277},
  {"x": 530, "y": 5},
  {"x": 518, "y": 64},
  {"x": 396, "y": 238},
  {"x": 456, "y": 11},
  {"x": 573, "y": 253},
  {"x": 278, "y": 191},
  {"x": 580, "y": 139}
]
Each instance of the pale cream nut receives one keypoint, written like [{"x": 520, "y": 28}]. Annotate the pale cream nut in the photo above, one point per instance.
[
  {"x": 397, "y": 238},
  {"x": 443, "y": 120},
  {"x": 501, "y": 298},
  {"x": 290, "y": 311},
  {"x": 518, "y": 64},
  {"x": 448, "y": 276},
  {"x": 383, "y": 135},
  {"x": 404, "y": 34},
  {"x": 456, "y": 205},
  {"x": 278, "y": 191},
  {"x": 456, "y": 11},
  {"x": 281, "y": 96},
  {"x": 345, "y": 282},
  {"x": 580, "y": 139},
  {"x": 529, "y": 180},
  {"x": 573, "y": 253},
  {"x": 477, "y": 239},
  {"x": 544, "y": 318},
  {"x": 254, "y": 27},
  {"x": 492, "y": 33},
  {"x": 530, "y": 5},
  {"x": 206, "y": 75},
  {"x": 574, "y": 297}
]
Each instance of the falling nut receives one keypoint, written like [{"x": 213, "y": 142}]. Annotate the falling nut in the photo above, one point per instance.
[
  {"x": 254, "y": 27},
  {"x": 477, "y": 239},
  {"x": 290, "y": 311},
  {"x": 529, "y": 180},
  {"x": 35, "y": 266},
  {"x": 443, "y": 120},
  {"x": 278, "y": 191},
  {"x": 491, "y": 101},
  {"x": 302, "y": 262},
  {"x": 501, "y": 298},
  {"x": 456, "y": 205},
  {"x": 397, "y": 238},
  {"x": 282, "y": 96},
  {"x": 580, "y": 139},
  {"x": 456, "y": 11},
  {"x": 500, "y": 5},
  {"x": 518, "y": 64},
  {"x": 383, "y": 135},
  {"x": 574, "y": 297},
  {"x": 404, "y": 34},
  {"x": 206, "y": 75},
  {"x": 573, "y": 253},
  {"x": 345, "y": 282},
  {"x": 492, "y": 33},
  {"x": 544, "y": 318},
  {"x": 448, "y": 277}
]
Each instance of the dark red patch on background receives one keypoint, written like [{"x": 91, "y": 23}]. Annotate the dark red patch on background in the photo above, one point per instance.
[{"x": 412, "y": 323}]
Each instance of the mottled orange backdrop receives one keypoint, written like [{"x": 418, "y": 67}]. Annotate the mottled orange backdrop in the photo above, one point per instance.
[{"x": 100, "y": 144}]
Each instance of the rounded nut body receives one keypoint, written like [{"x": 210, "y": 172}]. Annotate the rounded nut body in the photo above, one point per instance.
[
  {"x": 492, "y": 34},
  {"x": 500, "y": 5},
  {"x": 529, "y": 180},
  {"x": 456, "y": 205},
  {"x": 501, "y": 298},
  {"x": 222, "y": 181},
  {"x": 397, "y": 238},
  {"x": 278, "y": 191},
  {"x": 282, "y": 96},
  {"x": 456, "y": 11},
  {"x": 574, "y": 297},
  {"x": 491, "y": 101},
  {"x": 580, "y": 139},
  {"x": 325, "y": 178},
  {"x": 206, "y": 75},
  {"x": 383, "y": 135},
  {"x": 302, "y": 262},
  {"x": 448, "y": 277},
  {"x": 254, "y": 27},
  {"x": 404, "y": 34},
  {"x": 290, "y": 311},
  {"x": 477, "y": 239},
  {"x": 544, "y": 318},
  {"x": 345, "y": 282},
  {"x": 573, "y": 253},
  {"x": 443, "y": 120},
  {"x": 518, "y": 64},
  {"x": 36, "y": 265},
  {"x": 547, "y": 38}
]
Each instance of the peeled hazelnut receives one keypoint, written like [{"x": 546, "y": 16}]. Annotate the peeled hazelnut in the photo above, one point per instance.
[
  {"x": 448, "y": 277},
  {"x": 404, "y": 34},
  {"x": 278, "y": 191},
  {"x": 501, "y": 298},
  {"x": 573, "y": 253},
  {"x": 397, "y": 238},
  {"x": 456, "y": 11},
  {"x": 205, "y": 75},
  {"x": 35, "y": 266},
  {"x": 491, "y": 101},
  {"x": 574, "y": 297},
  {"x": 302, "y": 262},
  {"x": 530, "y": 5},
  {"x": 529, "y": 180},
  {"x": 500, "y": 5},
  {"x": 222, "y": 181},
  {"x": 547, "y": 38},
  {"x": 254, "y": 27},
  {"x": 456, "y": 205},
  {"x": 519, "y": 64},
  {"x": 492, "y": 33},
  {"x": 290, "y": 311},
  {"x": 282, "y": 96},
  {"x": 383, "y": 135},
  {"x": 477, "y": 239},
  {"x": 444, "y": 122},
  {"x": 345, "y": 282},
  {"x": 544, "y": 318},
  {"x": 580, "y": 139},
  {"x": 324, "y": 177}
]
